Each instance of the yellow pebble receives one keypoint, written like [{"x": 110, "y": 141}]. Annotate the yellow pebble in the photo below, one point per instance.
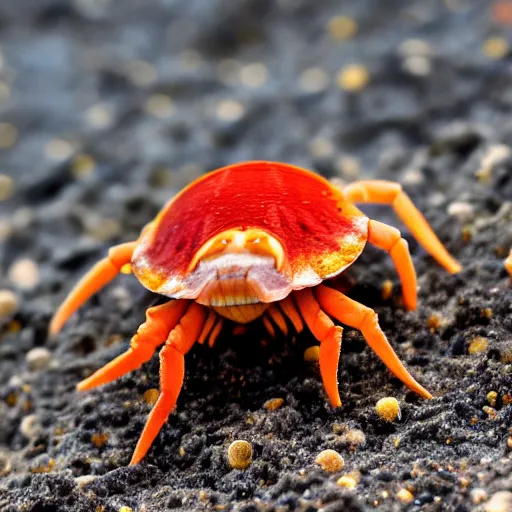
[
  {"x": 478, "y": 345},
  {"x": 8, "y": 135},
  {"x": 273, "y": 404},
  {"x": 388, "y": 408},
  {"x": 82, "y": 165},
  {"x": 151, "y": 396},
  {"x": 353, "y": 78},
  {"x": 387, "y": 289},
  {"x": 312, "y": 354},
  {"x": 330, "y": 461},
  {"x": 124, "y": 508},
  {"x": 99, "y": 440},
  {"x": 405, "y": 496},
  {"x": 491, "y": 398},
  {"x": 496, "y": 47},
  {"x": 347, "y": 482},
  {"x": 342, "y": 28},
  {"x": 6, "y": 187},
  {"x": 9, "y": 303},
  {"x": 240, "y": 454}
]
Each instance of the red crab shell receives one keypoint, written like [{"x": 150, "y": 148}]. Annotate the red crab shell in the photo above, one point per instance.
[{"x": 320, "y": 232}]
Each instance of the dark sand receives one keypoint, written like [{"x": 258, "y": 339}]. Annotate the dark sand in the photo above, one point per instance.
[{"x": 433, "y": 117}]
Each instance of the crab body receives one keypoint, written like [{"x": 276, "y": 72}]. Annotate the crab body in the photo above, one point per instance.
[
  {"x": 249, "y": 234},
  {"x": 255, "y": 239}
]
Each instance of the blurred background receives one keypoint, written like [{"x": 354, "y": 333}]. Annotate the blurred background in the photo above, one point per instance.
[{"x": 108, "y": 107}]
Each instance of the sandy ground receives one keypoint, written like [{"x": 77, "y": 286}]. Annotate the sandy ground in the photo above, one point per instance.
[{"x": 108, "y": 108}]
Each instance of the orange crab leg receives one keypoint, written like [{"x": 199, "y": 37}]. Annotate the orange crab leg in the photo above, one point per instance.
[
  {"x": 387, "y": 192},
  {"x": 160, "y": 320},
  {"x": 389, "y": 239},
  {"x": 100, "y": 275},
  {"x": 217, "y": 328},
  {"x": 172, "y": 372},
  {"x": 208, "y": 326},
  {"x": 360, "y": 317},
  {"x": 291, "y": 312},
  {"x": 329, "y": 336},
  {"x": 269, "y": 327},
  {"x": 278, "y": 318},
  {"x": 508, "y": 263}
]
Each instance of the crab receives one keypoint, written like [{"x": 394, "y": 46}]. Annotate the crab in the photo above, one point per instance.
[{"x": 248, "y": 241}]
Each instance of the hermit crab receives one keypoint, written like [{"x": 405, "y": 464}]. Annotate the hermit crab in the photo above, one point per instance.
[{"x": 248, "y": 241}]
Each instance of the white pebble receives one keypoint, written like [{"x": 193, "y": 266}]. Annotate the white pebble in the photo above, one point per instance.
[
  {"x": 30, "y": 426},
  {"x": 465, "y": 212},
  {"x": 38, "y": 358},
  {"x": 24, "y": 273},
  {"x": 500, "y": 501}
]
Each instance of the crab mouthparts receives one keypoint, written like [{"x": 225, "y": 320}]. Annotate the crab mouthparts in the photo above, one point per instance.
[{"x": 241, "y": 279}]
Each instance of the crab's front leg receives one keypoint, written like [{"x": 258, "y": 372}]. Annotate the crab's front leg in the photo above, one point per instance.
[
  {"x": 329, "y": 336},
  {"x": 172, "y": 372},
  {"x": 360, "y": 317},
  {"x": 387, "y": 192},
  {"x": 100, "y": 275},
  {"x": 160, "y": 320},
  {"x": 389, "y": 239},
  {"x": 508, "y": 263}
]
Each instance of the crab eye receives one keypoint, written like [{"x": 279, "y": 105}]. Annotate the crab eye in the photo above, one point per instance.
[{"x": 224, "y": 242}]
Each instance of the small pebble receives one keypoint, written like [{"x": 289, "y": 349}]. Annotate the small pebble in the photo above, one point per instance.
[
  {"x": 341, "y": 28},
  {"x": 405, "y": 496},
  {"x": 496, "y": 47},
  {"x": 141, "y": 73},
  {"x": 478, "y": 345},
  {"x": 347, "y": 482},
  {"x": 30, "y": 426},
  {"x": 500, "y": 501},
  {"x": 151, "y": 396},
  {"x": 82, "y": 166},
  {"x": 6, "y": 187},
  {"x": 330, "y": 461},
  {"x": 312, "y": 354},
  {"x": 388, "y": 409},
  {"x": 99, "y": 116},
  {"x": 491, "y": 398},
  {"x": 59, "y": 149},
  {"x": 353, "y": 78},
  {"x": 230, "y": 110},
  {"x": 387, "y": 289},
  {"x": 465, "y": 212},
  {"x": 124, "y": 508},
  {"x": 313, "y": 80},
  {"x": 9, "y": 304},
  {"x": 240, "y": 454},
  {"x": 38, "y": 358},
  {"x": 478, "y": 495},
  {"x": 348, "y": 166},
  {"x": 84, "y": 480},
  {"x": 24, "y": 273},
  {"x": 273, "y": 404},
  {"x": 8, "y": 135},
  {"x": 99, "y": 439},
  {"x": 254, "y": 75},
  {"x": 159, "y": 105}
]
